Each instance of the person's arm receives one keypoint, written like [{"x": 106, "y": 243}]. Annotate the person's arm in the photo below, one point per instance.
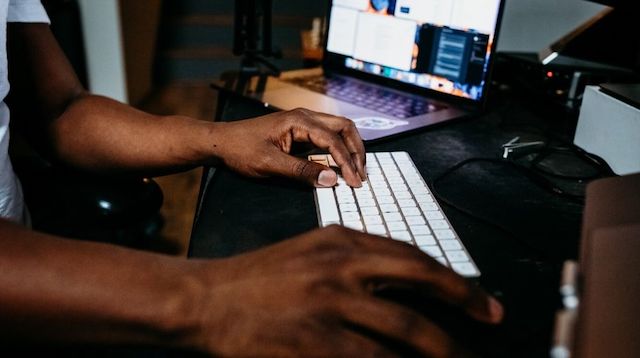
[
  {"x": 97, "y": 133},
  {"x": 55, "y": 290},
  {"x": 305, "y": 296}
]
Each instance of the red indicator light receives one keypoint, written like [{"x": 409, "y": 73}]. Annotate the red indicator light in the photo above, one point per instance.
[{"x": 549, "y": 74}]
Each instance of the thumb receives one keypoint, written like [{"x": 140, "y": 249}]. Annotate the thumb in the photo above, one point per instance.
[{"x": 315, "y": 174}]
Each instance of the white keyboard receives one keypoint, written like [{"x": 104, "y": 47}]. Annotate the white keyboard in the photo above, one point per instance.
[{"x": 394, "y": 202}]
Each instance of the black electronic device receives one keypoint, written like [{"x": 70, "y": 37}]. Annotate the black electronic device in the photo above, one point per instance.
[
  {"x": 252, "y": 37},
  {"x": 601, "y": 50},
  {"x": 562, "y": 82}
]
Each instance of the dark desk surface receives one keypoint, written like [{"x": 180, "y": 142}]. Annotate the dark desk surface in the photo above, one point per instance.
[{"x": 518, "y": 233}]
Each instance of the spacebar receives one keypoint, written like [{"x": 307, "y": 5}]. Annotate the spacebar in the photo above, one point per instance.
[{"x": 327, "y": 206}]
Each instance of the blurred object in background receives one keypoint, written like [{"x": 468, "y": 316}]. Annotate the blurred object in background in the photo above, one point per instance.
[{"x": 312, "y": 43}]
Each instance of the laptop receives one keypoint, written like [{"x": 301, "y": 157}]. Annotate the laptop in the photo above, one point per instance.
[{"x": 393, "y": 66}]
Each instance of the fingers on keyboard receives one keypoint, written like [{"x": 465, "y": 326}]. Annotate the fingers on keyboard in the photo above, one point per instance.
[{"x": 394, "y": 202}]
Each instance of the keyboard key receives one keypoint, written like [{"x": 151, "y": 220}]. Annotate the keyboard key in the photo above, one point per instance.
[
  {"x": 385, "y": 200},
  {"x": 370, "y": 211},
  {"x": 379, "y": 230},
  {"x": 382, "y": 191},
  {"x": 407, "y": 203},
  {"x": 465, "y": 268},
  {"x": 424, "y": 240},
  {"x": 445, "y": 234},
  {"x": 397, "y": 182},
  {"x": 389, "y": 208},
  {"x": 420, "y": 189},
  {"x": 372, "y": 220},
  {"x": 366, "y": 202},
  {"x": 401, "y": 157},
  {"x": 396, "y": 226},
  {"x": 318, "y": 158},
  {"x": 450, "y": 245},
  {"x": 433, "y": 215},
  {"x": 438, "y": 224},
  {"x": 420, "y": 230},
  {"x": 402, "y": 195},
  {"x": 389, "y": 169},
  {"x": 373, "y": 179},
  {"x": 457, "y": 256},
  {"x": 401, "y": 235},
  {"x": 351, "y": 216},
  {"x": 391, "y": 217},
  {"x": 327, "y": 205},
  {"x": 431, "y": 250},
  {"x": 407, "y": 169},
  {"x": 411, "y": 211},
  {"x": 345, "y": 208},
  {"x": 424, "y": 198},
  {"x": 344, "y": 198},
  {"x": 429, "y": 206},
  {"x": 415, "y": 220}
]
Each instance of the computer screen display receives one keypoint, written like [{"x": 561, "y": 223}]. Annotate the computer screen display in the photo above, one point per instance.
[{"x": 443, "y": 45}]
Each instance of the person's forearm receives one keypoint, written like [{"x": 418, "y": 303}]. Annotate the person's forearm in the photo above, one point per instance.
[
  {"x": 65, "y": 123},
  {"x": 99, "y": 134},
  {"x": 55, "y": 290}
]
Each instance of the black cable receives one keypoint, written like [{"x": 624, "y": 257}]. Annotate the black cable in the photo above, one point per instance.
[
  {"x": 536, "y": 178},
  {"x": 532, "y": 175},
  {"x": 601, "y": 168}
]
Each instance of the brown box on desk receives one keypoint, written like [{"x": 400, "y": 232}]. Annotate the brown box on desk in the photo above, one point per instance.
[{"x": 609, "y": 313}]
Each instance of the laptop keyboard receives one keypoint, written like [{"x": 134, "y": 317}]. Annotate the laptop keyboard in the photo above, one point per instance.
[
  {"x": 372, "y": 97},
  {"x": 394, "y": 202}
]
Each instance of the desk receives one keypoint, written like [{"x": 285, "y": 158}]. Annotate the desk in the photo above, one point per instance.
[{"x": 518, "y": 235}]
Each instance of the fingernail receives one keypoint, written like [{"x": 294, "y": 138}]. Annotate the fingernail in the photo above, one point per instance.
[
  {"x": 496, "y": 310},
  {"x": 327, "y": 178}
]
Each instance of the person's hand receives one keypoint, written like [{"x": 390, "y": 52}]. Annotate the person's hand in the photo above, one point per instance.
[
  {"x": 259, "y": 147},
  {"x": 312, "y": 296}
]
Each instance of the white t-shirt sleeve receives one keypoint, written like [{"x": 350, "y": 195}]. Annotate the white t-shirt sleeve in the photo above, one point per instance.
[{"x": 27, "y": 11}]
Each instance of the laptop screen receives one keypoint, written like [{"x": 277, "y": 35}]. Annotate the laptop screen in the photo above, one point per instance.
[{"x": 442, "y": 45}]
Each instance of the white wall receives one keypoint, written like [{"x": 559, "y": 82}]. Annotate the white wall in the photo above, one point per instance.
[
  {"x": 104, "y": 50},
  {"x": 530, "y": 25}
]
